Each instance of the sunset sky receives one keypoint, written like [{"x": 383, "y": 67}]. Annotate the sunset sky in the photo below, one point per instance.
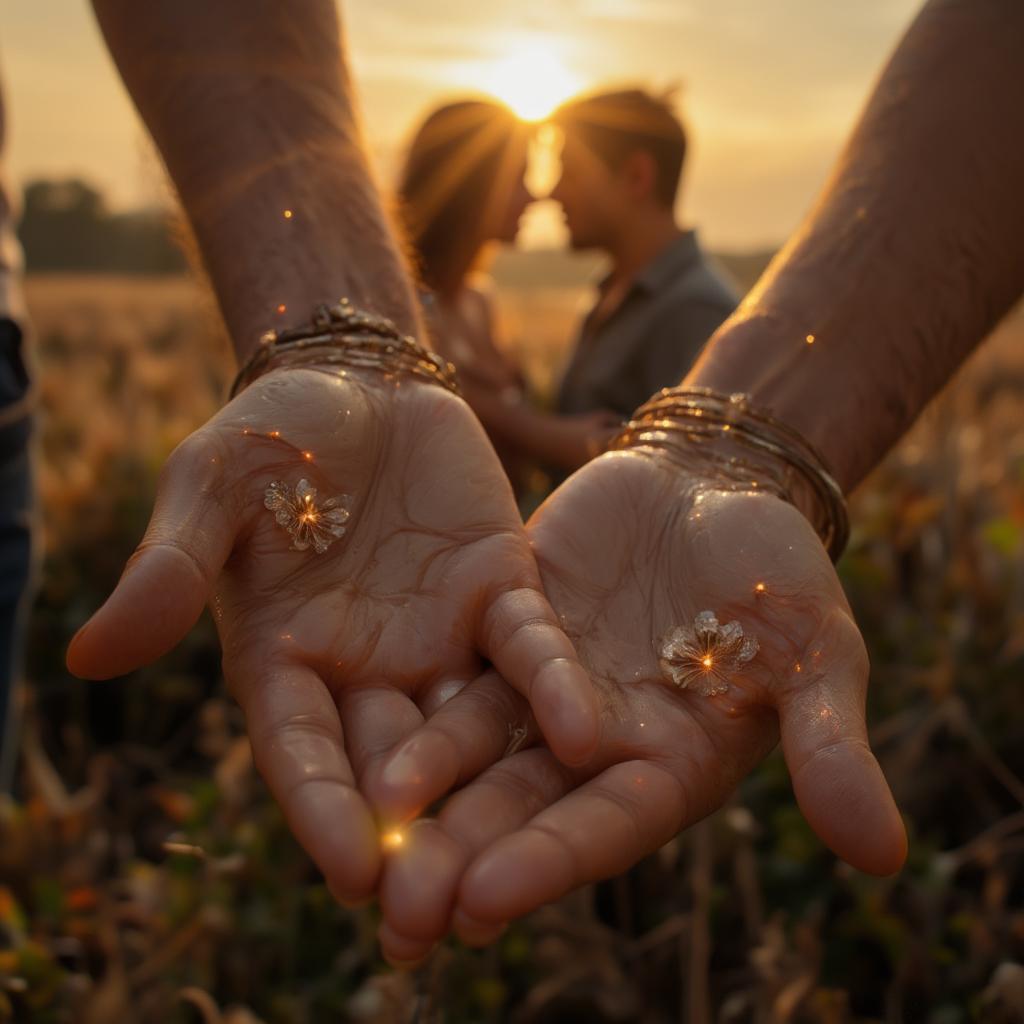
[{"x": 770, "y": 88}]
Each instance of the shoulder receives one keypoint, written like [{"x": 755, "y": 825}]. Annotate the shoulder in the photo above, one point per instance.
[{"x": 705, "y": 282}]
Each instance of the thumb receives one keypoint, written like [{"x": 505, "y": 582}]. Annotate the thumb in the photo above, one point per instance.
[
  {"x": 837, "y": 780},
  {"x": 167, "y": 581}
]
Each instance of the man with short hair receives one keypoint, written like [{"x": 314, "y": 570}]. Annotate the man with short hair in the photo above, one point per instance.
[{"x": 622, "y": 160}]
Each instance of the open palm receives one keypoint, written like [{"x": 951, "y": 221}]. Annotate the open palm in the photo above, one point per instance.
[
  {"x": 333, "y": 654},
  {"x": 629, "y": 549}
]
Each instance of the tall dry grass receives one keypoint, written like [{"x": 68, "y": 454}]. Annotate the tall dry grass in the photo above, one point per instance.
[{"x": 745, "y": 918}]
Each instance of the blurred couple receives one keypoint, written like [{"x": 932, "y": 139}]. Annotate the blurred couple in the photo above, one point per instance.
[{"x": 462, "y": 190}]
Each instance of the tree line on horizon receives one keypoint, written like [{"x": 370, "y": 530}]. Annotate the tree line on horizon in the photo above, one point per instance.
[{"x": 66, "y": 226}]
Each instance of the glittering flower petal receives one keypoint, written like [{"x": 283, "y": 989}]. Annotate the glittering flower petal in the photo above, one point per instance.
[
  {"x": 749, "y": 649},
  {"x": 706, "y": 620},
  {"x": 731, "y": 631}
]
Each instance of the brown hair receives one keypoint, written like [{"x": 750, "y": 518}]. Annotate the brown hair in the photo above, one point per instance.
[
  {"x": 454, "y": 164},
  {"x": 615, "y": 124}
]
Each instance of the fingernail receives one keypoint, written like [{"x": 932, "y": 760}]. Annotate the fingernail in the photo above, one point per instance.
[
  {"x": 402, "y": 768},
  {"x": 573, "y": 711}
]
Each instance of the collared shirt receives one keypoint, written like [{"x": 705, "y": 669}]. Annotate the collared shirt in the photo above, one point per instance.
[{"x": 654, "y": 336}]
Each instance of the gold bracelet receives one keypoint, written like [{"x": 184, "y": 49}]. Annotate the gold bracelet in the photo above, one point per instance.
[
  {"x": 345, "y": 336},
  {"x": 741, "y": 448}
]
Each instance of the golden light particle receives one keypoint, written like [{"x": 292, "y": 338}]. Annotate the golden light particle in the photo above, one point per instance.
[
  {"x": 760, "y": 588},
  {"x": 809, "y": 339},
  {"x": 308, "y": 456},
  {"x": 281, "y": 308},
  {"x": 707, "y": 661},
  {"x": 798, "y": 667},
  {"x": 287, "y": 214},
  {"x": 392, "y": 840},
  {"x": 274, "y": 434}
]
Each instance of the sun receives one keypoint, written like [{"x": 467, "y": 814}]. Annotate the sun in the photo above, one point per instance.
[{"x": 532, "y": 80}]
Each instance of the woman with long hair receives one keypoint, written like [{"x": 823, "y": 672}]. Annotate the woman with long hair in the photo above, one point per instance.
[{"x": 461, "y": 191}]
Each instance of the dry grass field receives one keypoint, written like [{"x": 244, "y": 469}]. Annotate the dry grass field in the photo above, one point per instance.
[{"x": 743, "y": 919}]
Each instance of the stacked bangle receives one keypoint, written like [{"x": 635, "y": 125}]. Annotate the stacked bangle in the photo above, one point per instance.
[
  {"x": 740, "y": 447},
  {"x": 345, "y": 336}
]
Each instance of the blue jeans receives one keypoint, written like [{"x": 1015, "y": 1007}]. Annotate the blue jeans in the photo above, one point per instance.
[{"x": 15, "y": 533}]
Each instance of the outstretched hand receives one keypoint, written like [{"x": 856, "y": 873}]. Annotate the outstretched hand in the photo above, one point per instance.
[
  {"x": 335, "y": 656},
  {"x": 629, "y": 549}
]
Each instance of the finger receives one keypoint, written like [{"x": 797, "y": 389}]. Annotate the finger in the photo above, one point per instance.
[
  {"x": 299, "y": 749},
  {"x": 463, "y": 737},
  {"x": 521, "y": 635},
  {"x": 417, "y": 889},
  {"x": 375, "y": 719},
  {"x": 420, "y": 878},
  {"x": 597, "y": 831},
  {"x": 439, "y": 693},
  {"x": 168, "y": 579},
  {"x": 838, "y": 783}
]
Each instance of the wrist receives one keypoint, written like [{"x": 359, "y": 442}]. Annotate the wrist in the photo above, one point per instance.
[
  {"x": 730, "y": 445},
  {"x": 340, "y": 340}
]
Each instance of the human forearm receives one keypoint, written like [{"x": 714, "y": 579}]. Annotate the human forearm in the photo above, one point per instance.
[
  {"x": 912, "y": 255},
  {"x": 559, "y": 442},
  {"x": 254, "y": 116}
]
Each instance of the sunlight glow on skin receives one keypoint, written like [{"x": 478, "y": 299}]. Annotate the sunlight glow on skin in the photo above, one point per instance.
[{"x": 532, "y": 79}]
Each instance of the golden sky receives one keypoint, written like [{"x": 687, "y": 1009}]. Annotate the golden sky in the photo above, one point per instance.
[{"x": 769, "y": 91}]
